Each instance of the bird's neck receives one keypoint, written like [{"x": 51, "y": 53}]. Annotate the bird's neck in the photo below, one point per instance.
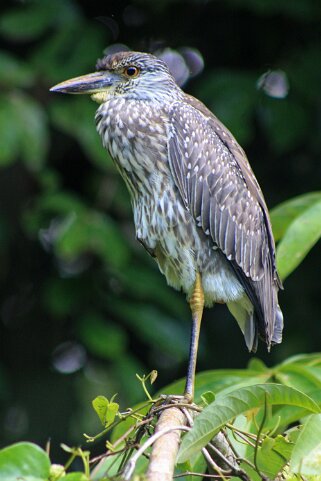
[{"x": 134, "y": 132}]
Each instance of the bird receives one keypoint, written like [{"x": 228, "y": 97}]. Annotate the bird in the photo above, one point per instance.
[{"x": 197, "y": 206}]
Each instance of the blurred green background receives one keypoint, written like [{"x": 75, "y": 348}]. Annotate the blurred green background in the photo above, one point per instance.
[{"x": 83, "y": 307}]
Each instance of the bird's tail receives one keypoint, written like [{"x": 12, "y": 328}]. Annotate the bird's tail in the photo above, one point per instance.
[
  {"x": 247, "y": 318},
  {"x": 278, "y": 326},
  {"x": 258, "y": 312}
]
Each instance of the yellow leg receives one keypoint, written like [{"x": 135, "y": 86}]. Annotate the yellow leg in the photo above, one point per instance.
[{"x": 196, "y": 303}]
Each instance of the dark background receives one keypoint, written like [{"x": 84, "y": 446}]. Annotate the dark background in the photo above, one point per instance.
[{"x": 83, "y": 307}]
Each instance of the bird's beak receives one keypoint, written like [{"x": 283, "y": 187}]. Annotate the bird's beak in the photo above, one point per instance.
[{"x": 87, "y": 84}]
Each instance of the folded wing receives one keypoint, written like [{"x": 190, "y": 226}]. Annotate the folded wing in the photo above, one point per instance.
[{"x": 218, "y": 186}]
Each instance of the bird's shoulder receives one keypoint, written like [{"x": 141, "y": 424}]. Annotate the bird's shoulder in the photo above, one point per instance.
[{"x": 231, "y": 143}]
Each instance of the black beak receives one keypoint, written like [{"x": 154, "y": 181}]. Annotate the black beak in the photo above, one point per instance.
[{"x": 87, "y": 84}]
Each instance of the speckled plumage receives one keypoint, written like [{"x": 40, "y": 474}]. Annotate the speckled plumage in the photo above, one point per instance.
[{"x": 197, "y": 205}]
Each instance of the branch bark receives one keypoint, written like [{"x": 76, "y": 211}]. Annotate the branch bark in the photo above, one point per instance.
[{"x": 165, "y": 449}]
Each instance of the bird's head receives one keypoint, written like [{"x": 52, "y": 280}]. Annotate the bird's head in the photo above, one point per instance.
[{"x": 129, "y": 74}]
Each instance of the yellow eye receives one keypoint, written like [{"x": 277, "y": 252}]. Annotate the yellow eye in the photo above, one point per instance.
[{"x": 131, "y": 71}]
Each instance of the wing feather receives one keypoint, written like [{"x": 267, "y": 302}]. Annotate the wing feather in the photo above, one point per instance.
[{"x": 218, "y": 187}]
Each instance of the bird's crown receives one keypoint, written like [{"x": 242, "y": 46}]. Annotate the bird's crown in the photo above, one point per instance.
[{"x": 121, "y": 60}]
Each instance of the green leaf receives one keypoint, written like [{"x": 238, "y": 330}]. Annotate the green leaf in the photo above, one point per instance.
[
  {"x": 306, "y": 456},
  {"x": 292, "y": 434},
  {"x": 112, "y": 410},
  {"x": 251, "y": 472},
  {"x": 208, "y": 397},
  {"x": 106, "y": 410},
  {"x": 285, "y": 213},
  {"x": 25, "y": 461},
  {"x": 256, "y": 364},
  {"x": 100, "y": 405},
  {"x": 196, "y": 464},
  {"x": 273, "y": 455},
  {"x": 227, "y": 406},
  {"x": 299, "y": 238},
  {"x": 74, "y": 477},
  {"x": 312, "y": 359},
  {"x": 298, "y": 376},
  {"x": 286, "y": 415}
]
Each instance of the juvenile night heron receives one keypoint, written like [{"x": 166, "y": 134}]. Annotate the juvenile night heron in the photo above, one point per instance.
[{"x": 198, "y": 208}]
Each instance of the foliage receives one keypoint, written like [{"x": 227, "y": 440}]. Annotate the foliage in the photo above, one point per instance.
[
  {"x": 297, "y": 223},
  {"x": 83, "y": 308},
  {"x": 266, "y": 443}
]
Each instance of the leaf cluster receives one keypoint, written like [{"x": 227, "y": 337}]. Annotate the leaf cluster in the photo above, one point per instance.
[{"x": 270, "y": 419}]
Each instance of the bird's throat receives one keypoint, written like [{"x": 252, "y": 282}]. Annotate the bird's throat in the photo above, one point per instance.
[{"x": 100, "y": 97}]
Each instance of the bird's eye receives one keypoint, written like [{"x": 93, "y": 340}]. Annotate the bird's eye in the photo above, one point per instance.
[{"x": 131, "y": 71}]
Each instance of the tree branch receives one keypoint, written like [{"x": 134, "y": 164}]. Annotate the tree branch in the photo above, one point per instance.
[{"x": 165, "y": 448}]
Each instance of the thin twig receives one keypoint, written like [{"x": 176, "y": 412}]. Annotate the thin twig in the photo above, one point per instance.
[
  {"x": 139, "y": 425},
  {"x": 236, "y": 470},
  {"x": 192, "y": 407},
  {"x": 213, "y": 464},
  {"x": 106, "y": 455},
  {"x": 202, "y": 475},
  {"x": 245, "y": 433},
  {"x": 124, "y": 450},
  {"x": 110, "y": 452},
  {"x": 224, "y": 458},
  {"x": 246, "y": 461},
  {"x": 188, "y": 416},
  {"x": 257, "y": 442},
  {"x": 243, "y": 437},
  {"x": 237, "y": 458}
]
